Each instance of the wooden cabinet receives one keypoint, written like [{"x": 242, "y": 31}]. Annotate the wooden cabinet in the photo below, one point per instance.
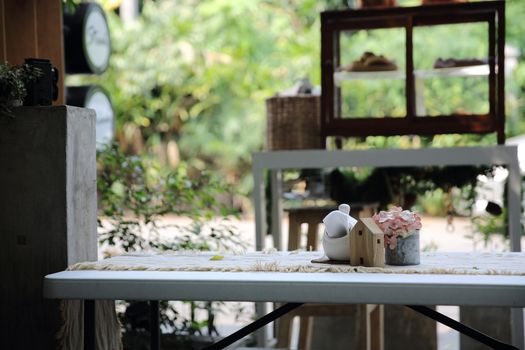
[{"x": 336, "y": 24}]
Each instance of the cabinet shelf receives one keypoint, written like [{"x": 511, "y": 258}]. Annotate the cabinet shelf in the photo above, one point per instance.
[
  {"x": 345, "y": 76},
  {"x": 466, "y": 71}
]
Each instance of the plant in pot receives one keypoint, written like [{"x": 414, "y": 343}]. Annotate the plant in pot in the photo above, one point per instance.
[
  {"x": 13, "y": 85},
  {"x": 401, "y": 229}
]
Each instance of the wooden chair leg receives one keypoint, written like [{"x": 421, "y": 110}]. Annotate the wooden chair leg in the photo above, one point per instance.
[
  {"x": 294, "y": 233},
  {"x": 305, "y": 332},
  {"x": 375, "y": 325},
  {"x": 284, "y": 331},
  {"x": 311, "y": 238},
  {"x": 362, "y": 333}
]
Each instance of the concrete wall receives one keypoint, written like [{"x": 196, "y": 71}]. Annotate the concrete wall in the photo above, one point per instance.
[{"x": 47, "y": 214}]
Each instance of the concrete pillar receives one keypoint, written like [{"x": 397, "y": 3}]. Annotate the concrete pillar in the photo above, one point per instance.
[{"x": 47, "y": 214}]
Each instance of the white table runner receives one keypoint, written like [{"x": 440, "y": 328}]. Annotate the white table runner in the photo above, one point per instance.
[{"x": 431, "y": 263}]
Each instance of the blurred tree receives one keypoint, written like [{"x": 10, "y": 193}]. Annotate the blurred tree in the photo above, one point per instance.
[{"x": 189, "y": 78}]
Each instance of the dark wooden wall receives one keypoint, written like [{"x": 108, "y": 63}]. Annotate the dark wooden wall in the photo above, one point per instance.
[{"x": 33, "y": 28}]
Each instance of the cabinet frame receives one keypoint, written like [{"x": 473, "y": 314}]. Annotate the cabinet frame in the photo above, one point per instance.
[{"x": 334, "y": 22}]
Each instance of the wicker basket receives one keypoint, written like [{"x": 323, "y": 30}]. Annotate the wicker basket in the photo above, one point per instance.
[{"x": 293, "y": 122}]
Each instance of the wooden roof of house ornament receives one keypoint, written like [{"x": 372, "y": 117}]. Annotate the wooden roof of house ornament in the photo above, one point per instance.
[{"x": 367, "y": 244}]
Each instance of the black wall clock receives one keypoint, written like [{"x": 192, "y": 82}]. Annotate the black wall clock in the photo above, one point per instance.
[{"x": 87, "y": 43}]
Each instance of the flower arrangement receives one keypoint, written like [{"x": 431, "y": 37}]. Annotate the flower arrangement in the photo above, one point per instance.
[{"x": 397, "y": 223}]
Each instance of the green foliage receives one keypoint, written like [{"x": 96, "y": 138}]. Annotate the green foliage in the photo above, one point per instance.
[
  {"x": 13, "y": 82},
  {"x": 70, "y": 5},
  {"x": 198, "y": 72},
  {"x": 488, "y": 225},
  {"x": 135, "y": 192},
  {"x": 402, "y": 185}
]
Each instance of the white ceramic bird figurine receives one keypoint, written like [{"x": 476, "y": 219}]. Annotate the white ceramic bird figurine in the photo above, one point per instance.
[{"x": 336, "y": 238}]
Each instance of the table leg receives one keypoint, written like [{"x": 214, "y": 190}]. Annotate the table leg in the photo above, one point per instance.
[
  {"x": 375, "y": 326},
  {"x": 154, "y": 325},
  {"x": 277, "y": 209},
  {"x": 89, "y": 324},
  {"x": 460, "y": 327},
  {"x": 305, "y": 332},
  {"x": 259, "y": 203},
  {"x": 517, "y": 327},
  {"x": 261, "y": 336}
]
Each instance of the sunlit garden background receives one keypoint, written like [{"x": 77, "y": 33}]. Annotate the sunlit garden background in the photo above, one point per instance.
[{"x": 188, "y": 81}]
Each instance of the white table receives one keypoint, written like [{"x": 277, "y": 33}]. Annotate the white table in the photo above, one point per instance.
[
  {"x": 277, "y": 161},
  {"x": 356, "y": 288},
  {"x": 348, "y": 288}
]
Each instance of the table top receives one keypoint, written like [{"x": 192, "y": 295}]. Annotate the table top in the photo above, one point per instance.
[{"x": 322, "y": 287}]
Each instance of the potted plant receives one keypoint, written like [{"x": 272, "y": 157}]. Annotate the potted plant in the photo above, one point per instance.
[
  {"x": 401, "y": 229},
  {"x": 13, "y": 83}
]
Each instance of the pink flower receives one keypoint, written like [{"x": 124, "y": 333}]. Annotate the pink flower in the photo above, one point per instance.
[{"x": 397, "y": 223}]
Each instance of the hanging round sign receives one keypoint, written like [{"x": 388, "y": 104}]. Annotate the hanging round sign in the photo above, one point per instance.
[{"x": 87, "y": 43}]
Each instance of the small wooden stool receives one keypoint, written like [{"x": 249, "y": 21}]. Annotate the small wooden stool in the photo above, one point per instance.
[
  {"x": 368, "y": 327},
  {"x": 370, "y": 316}
]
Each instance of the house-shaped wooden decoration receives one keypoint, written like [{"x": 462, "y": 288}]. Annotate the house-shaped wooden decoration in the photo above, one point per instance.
[{"x": 367, "y": 244}]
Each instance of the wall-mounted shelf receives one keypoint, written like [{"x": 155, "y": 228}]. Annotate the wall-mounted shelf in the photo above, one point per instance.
[{"x": 334, "y": 23}]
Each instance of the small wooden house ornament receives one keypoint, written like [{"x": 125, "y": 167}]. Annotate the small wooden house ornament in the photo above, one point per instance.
[{"x": 367, "y": 244}]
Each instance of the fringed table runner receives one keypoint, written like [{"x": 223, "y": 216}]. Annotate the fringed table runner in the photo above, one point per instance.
[
  {"x": 108, "y": 329},
  {"x": 431, "y": 263}
]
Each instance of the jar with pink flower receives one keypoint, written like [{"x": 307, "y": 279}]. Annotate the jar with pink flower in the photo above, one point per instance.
[{"x": 401, "y": 229}]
